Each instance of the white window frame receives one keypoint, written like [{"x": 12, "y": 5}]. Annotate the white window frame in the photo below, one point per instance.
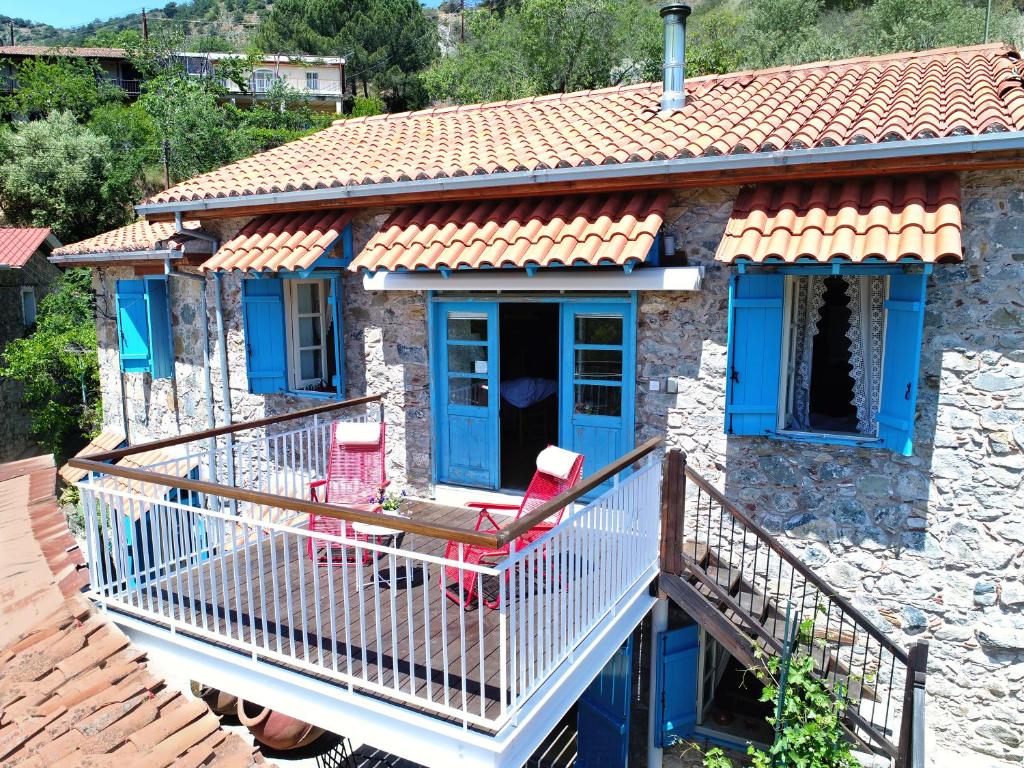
[
  {"x": 312, "y": 81},
  {"x": 29, "y": 291},
  {"x": 785, "y": 404},
  {"x": 295, "y": 349},
  {"x": 263, "y": 80}
]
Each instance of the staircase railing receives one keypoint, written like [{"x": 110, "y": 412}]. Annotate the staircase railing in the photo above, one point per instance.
[{"x": 752, "y": 577}]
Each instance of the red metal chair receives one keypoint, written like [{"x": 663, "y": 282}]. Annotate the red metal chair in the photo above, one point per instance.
[
  {"x": 543, "y": 487},
  {"x": 355, "y": 478}
]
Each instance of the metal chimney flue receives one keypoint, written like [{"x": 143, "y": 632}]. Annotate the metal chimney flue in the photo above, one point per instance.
[{"x": 673, "y": 95}]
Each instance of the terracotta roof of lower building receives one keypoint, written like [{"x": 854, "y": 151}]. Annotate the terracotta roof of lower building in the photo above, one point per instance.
[
  {"x": 17, "y": 244},
  {"x": 107, "y": 440},
  {"x": 139, "y": 236},
  {"x": 286, "y": 241},
  {"x": 61, "y": 50},
  {"x": 881, "y": 218},
  {"x": 73, "y": 691},
  {"x": 581, "y": 230}
]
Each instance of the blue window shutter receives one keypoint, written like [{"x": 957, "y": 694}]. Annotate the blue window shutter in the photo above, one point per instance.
[
  {"x": 904, "y": 325},
  {"x": 161, "y": 344},
  {"x": 132, "y": 325},
  {"x": 755, "y": 353},
  {"x": 676, "y": 683},
  {"x": 265, "y": 348}
]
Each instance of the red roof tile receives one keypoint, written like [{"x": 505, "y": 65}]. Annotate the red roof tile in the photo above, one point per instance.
[
  {"x": 71, "y": 51},
  {"x": 915, "y": 217},
  {"x": 141, "y": 235},
  {"x": 107, "y": 440},
  {"x": 72, "y": 690},
  {"x": 905, "y": 96},
  {"x": 590, "y": 230},
  {"x": 289, "y": 241},
  {"x": 17, "y": 244}
]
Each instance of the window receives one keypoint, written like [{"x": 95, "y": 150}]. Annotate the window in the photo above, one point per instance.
[
  {"x": 292, "y": 336},
  {"x": 312, "y": 81},
  {"x": 28, "y": 306},
  {"x": 144, "y": 327},
  {"x": 263, "y": 80},
  {"x": 824, "y": 357},
  {"x": 311, "y": 341},
  {"x": 832, "y": 354}
]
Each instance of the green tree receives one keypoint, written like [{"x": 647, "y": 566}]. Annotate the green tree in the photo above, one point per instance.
[
  {"x": 62, "y": 85},
  {"x": 58, "y": 367},
  {"x": 550, "y": 46},
  {"x": 57, "y": 173},
  {"x": 385, "y": 42}
]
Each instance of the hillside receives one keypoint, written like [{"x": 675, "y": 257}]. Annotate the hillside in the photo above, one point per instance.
[{"x": 205, "y": 25}]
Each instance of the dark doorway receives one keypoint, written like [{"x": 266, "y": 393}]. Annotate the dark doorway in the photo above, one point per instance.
[
  {"x": 832, "y": 408},
  {"x": 529, "y": 388}
]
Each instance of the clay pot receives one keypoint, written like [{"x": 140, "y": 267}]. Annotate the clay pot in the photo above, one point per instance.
[
  {"x": 274, "y": 730},
  {"x": 220, "y": 702}
]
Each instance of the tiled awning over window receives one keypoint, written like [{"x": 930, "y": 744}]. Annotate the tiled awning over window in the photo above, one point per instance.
[
  {"x": 915, "y": 217},
  {"x": 587, "y": 230},
  {"x": 284, "y": 241}
]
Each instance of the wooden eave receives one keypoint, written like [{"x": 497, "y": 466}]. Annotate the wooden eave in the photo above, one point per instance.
[{"x": 965, "y": 161}]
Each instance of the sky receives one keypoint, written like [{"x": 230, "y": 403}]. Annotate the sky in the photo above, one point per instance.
[{"x": 73, "y": 13}]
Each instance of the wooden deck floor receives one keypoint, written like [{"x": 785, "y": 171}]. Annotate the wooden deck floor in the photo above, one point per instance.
[{"x": 403, "y": 640}]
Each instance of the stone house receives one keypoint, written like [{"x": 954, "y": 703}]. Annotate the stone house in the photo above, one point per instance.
[
  {"x": 808, "y": 278},
  {"x": 25, "y": 278}
]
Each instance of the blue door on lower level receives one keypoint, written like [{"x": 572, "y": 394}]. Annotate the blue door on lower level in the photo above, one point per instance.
[
  {"x": 678, "y": 654},
  {"x": 466, "y": 342},
  {"x": 597, "y": 387},
  {"x": 603, "y": 714}
]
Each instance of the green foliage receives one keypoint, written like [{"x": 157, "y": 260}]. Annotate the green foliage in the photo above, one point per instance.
[
  {"x": 549, "y": 46},
  {"x": 58, "y": 366},
  {"x": 385, "y": 42},
  {"x": 809, "y": 733},
  {"x": 368, "y": 106},
  {"x": 62, "y": 85},
  {"x": 57, "y": 173}
]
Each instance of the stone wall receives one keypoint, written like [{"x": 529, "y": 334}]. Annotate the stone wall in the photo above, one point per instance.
[
  {"x": 15, "y": 424},
  {"x": 931, "y": 546}
]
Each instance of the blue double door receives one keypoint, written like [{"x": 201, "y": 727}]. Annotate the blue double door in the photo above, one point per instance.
[{"x": 595, "y": 381}]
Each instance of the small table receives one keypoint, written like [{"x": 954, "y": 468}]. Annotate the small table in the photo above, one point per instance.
[{"x": 387, "y": 537}]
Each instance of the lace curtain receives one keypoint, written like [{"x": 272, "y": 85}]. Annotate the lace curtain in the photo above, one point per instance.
[
  {"x": 808, "y": 299},
  {"x": 867, "y": 326}
]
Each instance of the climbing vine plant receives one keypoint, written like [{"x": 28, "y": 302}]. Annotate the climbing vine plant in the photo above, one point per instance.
[{"x": 808, "y": 726}]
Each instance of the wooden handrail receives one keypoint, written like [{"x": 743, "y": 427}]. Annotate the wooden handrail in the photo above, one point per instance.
[
  {"x": 205, "y": 434},
  {"x": 435, "y": 530},
  {"x": 798, "y": 566},
  {"x": 518, "y": 527}
]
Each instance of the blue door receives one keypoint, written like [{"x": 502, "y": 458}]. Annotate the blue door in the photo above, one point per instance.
[
  {"x": 598, "y": 374},
  {"x": 602, "y": 719},
  {"x": 466, "y": 361},
  {"x": 678, "y": 653}
]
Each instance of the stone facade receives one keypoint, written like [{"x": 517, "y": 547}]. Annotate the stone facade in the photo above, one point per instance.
[
  {"x": 930, "y": 546},
  {"x": 15, "y": 424}
]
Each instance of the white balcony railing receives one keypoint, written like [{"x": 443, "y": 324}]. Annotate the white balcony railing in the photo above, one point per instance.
[{"x": 370, "y": 616}]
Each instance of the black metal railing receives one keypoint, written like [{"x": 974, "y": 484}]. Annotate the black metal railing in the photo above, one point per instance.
[{"x": 754, "y": 579}]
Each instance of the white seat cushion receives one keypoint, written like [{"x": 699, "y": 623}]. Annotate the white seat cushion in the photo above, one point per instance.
[
  {"x": 357, "y": 433},
  {"x": 556, "y": 462}
]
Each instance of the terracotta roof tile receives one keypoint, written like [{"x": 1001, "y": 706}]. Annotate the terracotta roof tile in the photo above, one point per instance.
[
  {"x": 613, "y": 229},
  {"x": 17, "y": 244},
  {"x": 868, "y": 100},
  {"x": 288, "y": 241},
  {"x": 913, "y": 217},
  {"x": 73, "y": 692},
  {"x": 141, "y": 235},
  {"x": 77, "y": 52},
  {"x": 107, "y": 440}
]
